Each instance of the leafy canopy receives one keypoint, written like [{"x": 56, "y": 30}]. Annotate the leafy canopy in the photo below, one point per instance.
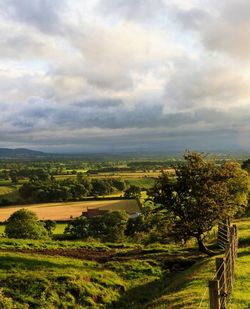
[
  {"x": 201, "y": 194},
  {"x": 24, "y": 224}
]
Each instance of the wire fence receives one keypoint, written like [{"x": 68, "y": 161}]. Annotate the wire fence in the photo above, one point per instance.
[{"x": 220, "y": 287}]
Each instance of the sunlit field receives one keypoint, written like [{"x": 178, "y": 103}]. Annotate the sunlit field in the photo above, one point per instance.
[{"x": 69, "y": 210}]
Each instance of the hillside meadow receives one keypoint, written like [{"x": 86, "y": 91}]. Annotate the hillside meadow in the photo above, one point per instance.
[{"x": 78, "y": 274}]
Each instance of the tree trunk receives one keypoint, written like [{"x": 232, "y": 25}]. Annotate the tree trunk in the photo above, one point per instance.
[{"x": 202, "y": 247}]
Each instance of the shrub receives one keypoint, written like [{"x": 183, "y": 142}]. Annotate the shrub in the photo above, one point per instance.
[{"x": 24, "y": 224}]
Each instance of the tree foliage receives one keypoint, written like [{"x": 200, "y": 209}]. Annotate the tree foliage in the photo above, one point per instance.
[
  {"x": 108, "y": 227},
  {"x": 201, "y": 194},
  {"x": 133, "y": 192},
  {"x": 246, "y": 165},
  {"x": 24, "y": 224}
]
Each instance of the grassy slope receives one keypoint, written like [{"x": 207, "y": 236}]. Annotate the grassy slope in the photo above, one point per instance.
[
  {"x": 187, "y": 289},
  {"x": 49, "y": 282},
  {"x": 46, "y": 282},
  {"x": 125, "y": 283},
  {"x": 241, "y": 290}
]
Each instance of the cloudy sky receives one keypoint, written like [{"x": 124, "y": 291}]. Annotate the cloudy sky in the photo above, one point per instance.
[{"x": 115, "y": 75}]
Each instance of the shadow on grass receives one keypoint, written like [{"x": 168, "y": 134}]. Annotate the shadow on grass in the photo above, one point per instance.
[
  {"x": 243, "y": 253},
  {"x": 139, "y": 296},
  {"x": 142, "y": 295},
  {"x": 244, "y": 242}
]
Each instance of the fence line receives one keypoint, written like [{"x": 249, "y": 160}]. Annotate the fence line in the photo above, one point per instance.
[{"x": 220, "y": 288}]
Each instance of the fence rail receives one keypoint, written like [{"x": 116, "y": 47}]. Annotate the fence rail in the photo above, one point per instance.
[{"x": 220, "y": 288}]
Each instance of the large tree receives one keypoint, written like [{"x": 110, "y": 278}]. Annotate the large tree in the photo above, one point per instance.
[
  {"x": 201, "y": 194},
  {"x": 24, "y": 224}
]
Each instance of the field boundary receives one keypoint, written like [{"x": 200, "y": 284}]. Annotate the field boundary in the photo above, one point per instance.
[{"x": 221, "y": 286}]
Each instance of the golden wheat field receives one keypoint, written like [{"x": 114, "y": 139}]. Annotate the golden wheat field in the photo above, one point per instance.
[{"x": 67, "y": 210}]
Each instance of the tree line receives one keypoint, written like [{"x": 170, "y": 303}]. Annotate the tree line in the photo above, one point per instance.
[{"x": 188, "y": 205}]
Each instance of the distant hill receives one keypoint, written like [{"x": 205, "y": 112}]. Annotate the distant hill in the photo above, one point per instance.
[{"x": 20, "y": 152}]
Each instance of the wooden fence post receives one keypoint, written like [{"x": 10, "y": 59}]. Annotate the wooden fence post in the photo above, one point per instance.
[
  {"x": 223, "y": 232},
  {"x": 236, "y": 238},
  {"x": 221, "y": 276},
  {"x": 228, "y": 267},
  {"x": 232, "y": 242},
  {"x": 214, "y": 294}
]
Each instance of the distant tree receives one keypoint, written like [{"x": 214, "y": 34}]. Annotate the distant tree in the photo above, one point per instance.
[
  {"x": 118, "y": 184},
  {"x": 108, "y": 227},
  {"x": 80, "y": 177},
  {"x": 135, "y": 225},
  {"x": 200, "y": 195},
  {"x": 101, "y": 187},
  {"x": 50, "y": 226},
  {"x": 24, "y": 224},
  {"x": 78, "y": 228},
  {"x": 133, "y": 192},
  {"x": 246, "y": 165},
  {"x": 112, "y": 226},
  {"x": 14, "y": 177}
]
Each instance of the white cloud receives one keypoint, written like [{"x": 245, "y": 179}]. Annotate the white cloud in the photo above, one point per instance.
[{"x": 145, "y": 72}]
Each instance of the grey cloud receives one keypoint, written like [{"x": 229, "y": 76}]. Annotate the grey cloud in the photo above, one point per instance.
[
  {"x": 42, "y": 14},
  {"x": 192, "y": 19},
  {"x": 100, "y": 82},
  {"x": 139, "y": 10},
  {"x": 102, "y": 104},
  {"x": 205, "y": 82},
  {"x": 222, "y": 26},
  {"x": 50, "y": 115},
  {"x": 86, "y": 126}
]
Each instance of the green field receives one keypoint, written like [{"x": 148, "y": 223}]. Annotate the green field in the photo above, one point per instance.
[
  {"x": 9, "y": 193},
  {"x": 157, "y": 276},
  {"x": 58, "y": 230}
]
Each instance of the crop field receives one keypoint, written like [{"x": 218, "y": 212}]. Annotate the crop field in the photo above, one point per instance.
[
  {"x": 123, "y": 175},
  {"x": 6, "y": 190},
  {"x": 9, "y": 192},
  {"x": 66, "y": 211}
]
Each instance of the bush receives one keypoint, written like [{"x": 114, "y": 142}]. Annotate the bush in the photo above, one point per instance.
[
  {"x": 133, "y": 192},
  {"x": 108, "y": 227},
  {"x": 6, "y": 302},
  {"x": 24, "y": 224}
]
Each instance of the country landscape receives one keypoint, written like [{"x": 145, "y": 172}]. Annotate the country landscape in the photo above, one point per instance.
[
  {"x": 86, "y": 259},
  {"x": 124, "y": 154}
]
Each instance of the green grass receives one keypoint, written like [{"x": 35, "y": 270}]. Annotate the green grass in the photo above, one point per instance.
[
  {"x": 59, "y": 228},
  {"x": 241, "y": 289},
  {"x": 127, "y": 283},
  {"x": 49, "y": 282},
  {"x": 244, "y": 231},
  {"x": 141, "y": 182},
  {"x": 4, "y": 182},
  {"x": 46, "y": 282},
  {"x": 7, "y": 243},
  {"x": 187, "y": 289},
  {"x": 9, "y": 193},
  {"x": 6, "y": 190},
  {"x": 2, "y": 228}
]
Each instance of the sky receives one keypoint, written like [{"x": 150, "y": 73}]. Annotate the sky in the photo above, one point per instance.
[{"x": 135, "y": 75}]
